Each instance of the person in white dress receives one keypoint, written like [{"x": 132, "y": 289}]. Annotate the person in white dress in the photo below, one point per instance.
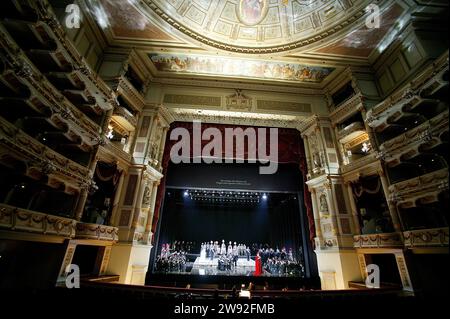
[
  {"x": 223, "y": 248},
  {"x": 203, "y": 251}
]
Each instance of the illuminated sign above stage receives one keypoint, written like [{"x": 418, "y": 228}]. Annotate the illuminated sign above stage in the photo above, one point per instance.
[{"x": 288, "y": 177}]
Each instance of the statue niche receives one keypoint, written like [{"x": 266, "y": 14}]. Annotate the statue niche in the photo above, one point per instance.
[
  {"x": 323, "y": 203},
  {"x": 147, "y": 197}
]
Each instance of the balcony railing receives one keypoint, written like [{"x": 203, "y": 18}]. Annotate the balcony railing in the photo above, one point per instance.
[
  {"x": 351, "y": 132},
  {"x": 426, "y": 237},
  {"x": 95, "y": 231},
  {"x": 14, "y": 218},
  {"x": 125, "y": 118},
  {"x": 377, "y": 240}
]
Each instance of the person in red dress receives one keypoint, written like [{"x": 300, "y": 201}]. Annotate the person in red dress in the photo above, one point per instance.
[{"x": 258, "y": 265}]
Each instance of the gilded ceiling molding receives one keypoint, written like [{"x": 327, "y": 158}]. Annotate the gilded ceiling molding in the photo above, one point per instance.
[{"x": 253, "y": 50}]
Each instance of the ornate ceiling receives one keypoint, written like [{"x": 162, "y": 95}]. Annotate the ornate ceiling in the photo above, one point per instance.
[
  {"x": 257, "y": 26},
  {"x": 302, "y": 43}
]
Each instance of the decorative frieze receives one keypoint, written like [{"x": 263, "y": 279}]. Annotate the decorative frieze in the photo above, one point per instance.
[
  {"x": 95, "y": 231},
  {"x": 18, "y": 219},
  {"x": 426, "y": 237},
  {"x": 377, "y": 240}
]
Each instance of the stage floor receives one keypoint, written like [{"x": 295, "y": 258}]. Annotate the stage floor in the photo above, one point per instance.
[{"x": 206, "y": 266}]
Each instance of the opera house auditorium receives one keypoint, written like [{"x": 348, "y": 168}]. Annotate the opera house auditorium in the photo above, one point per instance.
[{"x": 205, "y": 150}]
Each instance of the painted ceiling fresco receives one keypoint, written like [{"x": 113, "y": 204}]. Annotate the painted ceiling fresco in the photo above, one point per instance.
[
  {"x": 362, "y": 41},
  {"x": 220, "y": 66},
  {"x": 126, "y": 21},
  {"x": 276, "y": 25}
]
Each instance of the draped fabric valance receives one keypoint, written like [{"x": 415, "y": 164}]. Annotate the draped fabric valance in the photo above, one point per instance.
[
  {"x": 372, "y": 186},
  {"x": 107, "y": 172},
  {"x": 290, "y": 150}
]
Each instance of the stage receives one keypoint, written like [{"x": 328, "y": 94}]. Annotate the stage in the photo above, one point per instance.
[
  {"x": 206, "y": 266},
  {"x": 269, "y": 215}
]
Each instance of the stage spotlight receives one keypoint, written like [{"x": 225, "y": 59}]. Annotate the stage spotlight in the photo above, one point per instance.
[
  {"x": 186, "y": 194},
  {"x": 264, "y": 196}
]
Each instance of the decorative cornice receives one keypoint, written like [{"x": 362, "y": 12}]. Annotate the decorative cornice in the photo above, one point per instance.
[
  {"x": 236, "y": 118},
  {"x": 427, "y": 186},
  {"x": 123, "y": 86},
  {"x": 347, "y": 108},
  {"x": 409, "y": 143},
  {"x": 122, "y": 112},
  {"x": 300, "y": 88},
  {"x": 431, "y": 78}
]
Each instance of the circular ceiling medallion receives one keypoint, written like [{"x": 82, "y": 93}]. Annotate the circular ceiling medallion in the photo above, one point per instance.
[{"x": 252, "y": 12}]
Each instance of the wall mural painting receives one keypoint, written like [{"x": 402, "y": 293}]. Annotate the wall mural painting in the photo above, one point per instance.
[{"x": 210, "y": 65}]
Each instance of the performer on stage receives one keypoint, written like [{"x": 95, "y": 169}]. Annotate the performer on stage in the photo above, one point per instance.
[
  {"x": 247, "y": 252},
  {"x": 203, "y": 251},
  {"x": 258, "y": 265},
  {"x": 213, "y": 250},
  {"x": 235, "y": 254},
  {"x": 229, "y": 249},
  {"x": 207, "y": 249},
  {"x": 223, "y": 248}
]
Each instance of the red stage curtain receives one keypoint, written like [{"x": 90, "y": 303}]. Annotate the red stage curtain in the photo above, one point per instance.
[{"x": 290, "y": 150}]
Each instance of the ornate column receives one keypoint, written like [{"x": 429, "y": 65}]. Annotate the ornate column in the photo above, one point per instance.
[
  {"x": 316, "y": 214},
  {"x": 114, "y": 211},
  {"x": 81, "y": 202},
  {"x": 150, "y": 139},
  {"x": 342, "y": 156},
  {"x": 151, "y": 211},
  {"x": 333, "y": 209},
  {"x": 70, "y": 247},
  {"x": 138, "y": 206},
  {"x": 85, "y": 189},
  {"x": 369, "y": 130},
  {"x": 101, "y": 262},
  {"x": 390, "y": 202},
  {"x": 354, "y": 209},
  {"x": 322, "y": 149},
  {"x": 308, "y": 155},
  {"x": 161, "y": 146}
]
